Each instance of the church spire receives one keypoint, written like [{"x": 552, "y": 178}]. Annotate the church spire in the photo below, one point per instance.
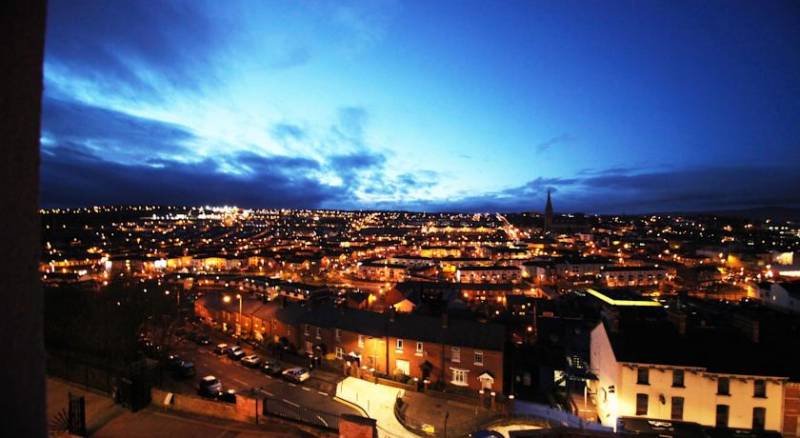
[{"x": 548, "y": 214}]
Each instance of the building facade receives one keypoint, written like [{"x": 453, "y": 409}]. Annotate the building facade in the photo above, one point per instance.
[{"x": 681, "y": 392}]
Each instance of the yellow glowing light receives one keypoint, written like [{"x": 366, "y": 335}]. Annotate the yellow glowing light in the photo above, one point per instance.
[
  {"x": 226, "y": 299},
  {"x": 613, "y": 302}
]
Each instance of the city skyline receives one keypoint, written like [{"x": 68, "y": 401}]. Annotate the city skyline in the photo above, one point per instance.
[{"x": 616, "y": 108}]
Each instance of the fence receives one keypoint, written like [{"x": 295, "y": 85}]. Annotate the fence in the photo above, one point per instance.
[
  {"x": 82, "y": 372},
  {"x": 293, "y": 411},
  {"x": 554, "y": 416}
]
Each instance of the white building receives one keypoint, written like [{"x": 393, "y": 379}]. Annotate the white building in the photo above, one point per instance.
[
  {"x": 784, "y": 296},
  {"x": 654, "y": 383}
]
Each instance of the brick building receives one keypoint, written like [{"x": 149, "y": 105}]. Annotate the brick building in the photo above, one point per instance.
[{"x": 459, "y": 353}]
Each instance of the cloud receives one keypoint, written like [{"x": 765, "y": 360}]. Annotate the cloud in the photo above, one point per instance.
[
  {"x": 703, "y": 188},
  {"x": 119, "y": 137},
  {"x": 70, "y": 179},
  {"x": 133, "y": 44},
  {"x": 288, "y": 131},
  {"x": 363, "y": 24},
  {"x": 553, "y": 141}
]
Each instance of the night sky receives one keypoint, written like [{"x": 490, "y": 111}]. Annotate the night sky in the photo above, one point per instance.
[{"x": 617, "y": 107}]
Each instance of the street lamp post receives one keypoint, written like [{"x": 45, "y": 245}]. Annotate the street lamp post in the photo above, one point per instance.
[
  {"x": 227, "y": 299},
  {"x": 239, "y": 325}
]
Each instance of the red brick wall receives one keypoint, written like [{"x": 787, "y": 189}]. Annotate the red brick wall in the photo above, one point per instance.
[
  {"x": 791, "y": 410},
  {"x": 439, "y": 356}
]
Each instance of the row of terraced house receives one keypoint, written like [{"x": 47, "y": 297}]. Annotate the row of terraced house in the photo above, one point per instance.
[{"x": 460, "y": 354}]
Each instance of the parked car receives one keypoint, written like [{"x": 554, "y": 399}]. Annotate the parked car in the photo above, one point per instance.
[
  {"x": 184, "y": 370},
  {"x": 296, "y": 374},
  {"x": 209, "y": 386},
  {"x": 172, "y": 361},
  {"x": 236, "y": 353},
  {"x": 221, "y": 349},
  {"x": 228, "y": 396},
  {"x": 251, "y": 361},
  {"x": 271, "y": 367},
  {"x": 203, "y": 340}
]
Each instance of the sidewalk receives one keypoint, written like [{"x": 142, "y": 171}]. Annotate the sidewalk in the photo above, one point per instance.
[
  {"x": 100, "y": 409},
  {"x": 462, "y": 417},
  {"x": 153, "y": 422},
  {"x": 377, "y": 401}
]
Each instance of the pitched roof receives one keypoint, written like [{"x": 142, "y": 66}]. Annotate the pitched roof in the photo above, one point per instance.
[{"x": 713, "y": 350}]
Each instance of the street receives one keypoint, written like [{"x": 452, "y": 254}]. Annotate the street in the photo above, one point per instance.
[{"x": 315, "y": 393}]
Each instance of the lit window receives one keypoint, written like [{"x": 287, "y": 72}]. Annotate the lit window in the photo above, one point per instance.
[
  {"x": 338, "y": 334},
  {"x": 459, "y": 377},
  {"x": 361, "y": 341},
  {"x": 398, "y": 345},
  {"x": 478, "y": 358},
  {"x": 418, "y": 350},
  {"x": 339, "y": 353},
  {"x": 455, "y": 354}
]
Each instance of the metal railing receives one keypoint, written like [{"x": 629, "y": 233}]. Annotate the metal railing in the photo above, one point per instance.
[{"x": 292, "y": 411}]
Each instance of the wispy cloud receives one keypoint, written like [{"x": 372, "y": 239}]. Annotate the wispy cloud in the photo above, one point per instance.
[{"x": 553, "y": 141}]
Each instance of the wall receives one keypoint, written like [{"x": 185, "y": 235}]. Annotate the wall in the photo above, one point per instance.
[
  {"x": 791, "y": 410},
  {"x": 604, "y": 365},
  {"x": 701, "y": 399},
  {"x": 244, "y": 410},
  {"x": 22, "y": 30}
]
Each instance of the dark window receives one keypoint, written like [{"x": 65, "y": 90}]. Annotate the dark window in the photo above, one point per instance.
[
  {"x": 641, "y": 404},
  {"x": 677, "y": 378},
  {"x": 643, "y": 376},
  {"x": 759, "y": 418},
  {"x": 677, "y": 408},
  {"x": 724, "y": 386},
  {"x": 759, "y": 388},
  {"x": 722, "y": 415}
]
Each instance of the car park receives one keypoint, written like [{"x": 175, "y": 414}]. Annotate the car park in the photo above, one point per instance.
[
  {"x": 296, "y": 374},
  {"x": 251, "y": 361}
]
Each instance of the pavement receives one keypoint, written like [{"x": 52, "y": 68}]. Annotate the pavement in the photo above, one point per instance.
[
  {"x": 152, "y": 422},
  {"x": 377, "y": 401},
  {"x": 99, "y": 408},
  {"x": 462, "y": 417},
  {"x": 506, "y": 429}
]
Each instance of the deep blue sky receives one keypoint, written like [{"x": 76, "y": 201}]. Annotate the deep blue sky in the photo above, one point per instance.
[{"x": 616, "y": 106}]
